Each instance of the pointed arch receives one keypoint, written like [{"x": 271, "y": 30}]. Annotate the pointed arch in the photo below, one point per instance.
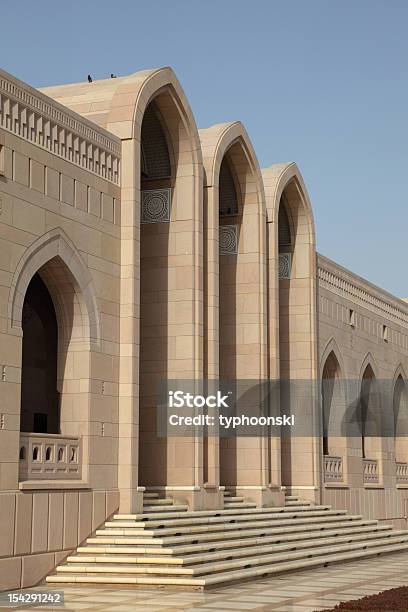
[
  {"x": 399, "y": 372},
  {"x": 287, "y": 176},
  {"x": 292, "y": 281},
  {"x": 400, "y": 414},
  {"x": 370, "y": 408},
  {"x": 55, "y": 248},
  {"x": 231, "y": 172},
  {"x": 333, "y": 399},
  {"x": 220, "y": 142},
  {"x": 368, "y": 361},
  {"x": 332, "y": 347},
  {"x": 216, "y": 141}
]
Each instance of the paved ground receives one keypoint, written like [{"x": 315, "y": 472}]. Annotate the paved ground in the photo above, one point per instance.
[{"x": 299, "y": 592}]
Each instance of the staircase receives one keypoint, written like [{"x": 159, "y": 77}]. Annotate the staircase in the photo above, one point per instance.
[{"x": 168, "y": 545}]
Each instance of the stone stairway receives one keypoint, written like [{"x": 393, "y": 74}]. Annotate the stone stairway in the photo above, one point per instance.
[
  {"x": 152, "y": 502},
  {"x": 170, "y": 546},
  {"x": 232, "y": 501}
]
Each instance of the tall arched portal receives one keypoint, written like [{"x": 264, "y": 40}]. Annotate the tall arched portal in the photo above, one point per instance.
[
  {"x": 39, "y": 396},
  {"x": 235, "y": 297},
  {"x": 292, "y": 321},
  {"x": 285, "y": 250},
  {"x": 333, "y": 408},
  {"x": 230, "y": 218},
  {"x": 157, "y": 182}
]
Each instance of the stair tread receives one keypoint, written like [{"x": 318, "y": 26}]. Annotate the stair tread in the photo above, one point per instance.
[
  {"x": 230, "y": 575},
  {"x": 176, "y": 508},
  {"x": 212, "y": 527},
  {"x": 216, "y": 518},
  {"x": 225, "y": 564},
  {"x": 168, "y": 544},
  {"x": 312, "y": 542},
  {"x": 221, "y": 512},
  {"x": 280, "y": 535},
  {"x": 196, "y": 537}
]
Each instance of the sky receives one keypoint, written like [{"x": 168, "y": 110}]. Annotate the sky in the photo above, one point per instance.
[{"x": 320, "y": 82}]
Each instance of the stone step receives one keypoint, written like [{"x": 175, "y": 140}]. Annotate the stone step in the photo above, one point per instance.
[
  {"x": 128, "y": 580},
  {"x": 163, "y": 501},
  {"x": 324, "y": 560},
  {"x": 217, "y": 518},
  {"x": 239, "y": 504},
  {"x": 297, "y": 544},
  {"x": 236, "y": 525},
  {"x": 226, "y": 576},
  {"x": 235, "y": 563},
  {"x": 280, "y": 535},
  {"x": 168, "y": 545},
  {"x": 157, "y": 538},
  {"x": 150, "y": 495},
  {"x": 151, "y": 508},
  {"x": 291, "y": 497},
  {"x": 184, "y": 515}
]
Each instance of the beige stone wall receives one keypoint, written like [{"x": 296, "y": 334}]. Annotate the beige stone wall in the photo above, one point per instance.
[
  {"x": 59, "y": 216},
  {"x": 363, "y": 325},
  {"x": 38, "y": 529},
  {"x": 119, "y": 106},
  {"x": 36, "y": 226}
]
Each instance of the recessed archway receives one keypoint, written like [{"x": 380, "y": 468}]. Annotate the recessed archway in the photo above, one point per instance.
[
  {"x": 39, "y": 395},
  {"x": 157, "y": 181},
  {"x": 292, "y": 311},
  {"x": 333, "y": 406},
  {"x": 400, "y": 411},
  {"x": 167, "y": 278},
  {"x": 52, "y": 280},
  {"x": 370, "y": 414},
  {"x": 235, "y": 290}
]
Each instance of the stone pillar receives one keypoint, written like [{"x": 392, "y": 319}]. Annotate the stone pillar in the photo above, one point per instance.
[{"x": 131, "y": 495}]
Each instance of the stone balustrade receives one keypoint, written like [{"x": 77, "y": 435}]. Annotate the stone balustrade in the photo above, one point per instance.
[
  {"x": 401, "y": 471},
  {"x": 49, "y": 457},
  {"x": 371, "y": 471},
  {"x": 333, "y": 469}
]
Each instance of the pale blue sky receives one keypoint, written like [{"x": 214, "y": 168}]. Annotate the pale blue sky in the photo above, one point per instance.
[{"x": 320, "y": 82}]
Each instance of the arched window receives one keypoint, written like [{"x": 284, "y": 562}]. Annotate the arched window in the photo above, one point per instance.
[
  {"x": 155, "y": 159},
  {"x": 332, "y": 397},
  {"x": 400, "y": 407},
  {"x": 369, "y": 410},
  {"x": 39, "y": 396},
  {"x": 228, "y": 194},
  {"x": 284, "y": 234}
]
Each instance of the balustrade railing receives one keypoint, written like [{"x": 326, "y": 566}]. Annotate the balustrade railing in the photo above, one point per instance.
[
  {"x": 401, "y": 470},
  {"x": 49, "y": 457},
  {"x": 333, "y": 469},
  {"x": 371, "y": 472}
]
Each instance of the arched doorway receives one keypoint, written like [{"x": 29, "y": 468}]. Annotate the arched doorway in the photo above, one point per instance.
[
  {"x": 156, "y": 183},
  {"x": 369, "y": 413},
  {"x": 286, "y": 243},
  {"x": 230, "y": 219},
  {"x": 40, "y": 410},
  {"x": 333, "y": 404},
  {"x": 285, "y": 250},
  {"x": 400, "y": 409}
]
